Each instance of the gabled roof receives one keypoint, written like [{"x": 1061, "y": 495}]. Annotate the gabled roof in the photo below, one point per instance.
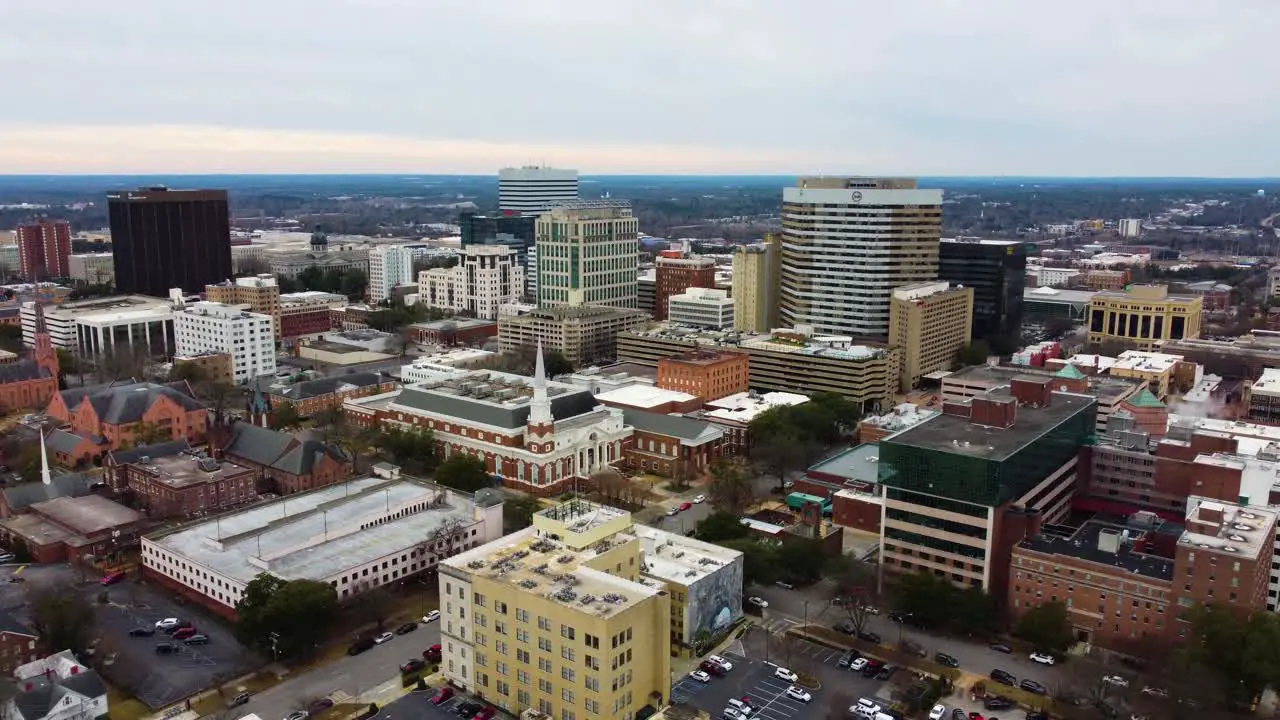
[
  {"x": 22, "y": 371},
  {"x": 155, "y": 450},
  {"x": 1070, "y": 372},
  {"x": 1144, "y": 398},
  {"x": 278, "y": 450},
  {"x": 327, "y": 385},
  {"x": 21, "y": 497},
  {"x": 10, "y": 624},
  {"x": 688, "y": 430},
  {"x": 125, "y": 404},
  {"x": 63, "y": 441},
  {"x": 563, "y": 406},
  {"x": 87, "y": 682}
]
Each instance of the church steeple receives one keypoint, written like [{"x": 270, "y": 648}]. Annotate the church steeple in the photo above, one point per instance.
[
  {"x": 540, "y": 406},
  {"x": 45, "y": 355},
  {"x": 46, "y": 477}
]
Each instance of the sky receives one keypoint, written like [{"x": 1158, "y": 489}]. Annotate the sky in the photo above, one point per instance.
[{"x": 904, "y": 87}]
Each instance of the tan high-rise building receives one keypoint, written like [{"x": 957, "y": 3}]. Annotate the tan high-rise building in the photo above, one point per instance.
[
  {"x": 588, "y": 254},
  {"x": 930, "y": 322},
  {"x": 755, "y": 285},
  {"x": 847, "y": 243},
  {"x": 1143, "y": 316},
  {"x": 260, "y": 292}
]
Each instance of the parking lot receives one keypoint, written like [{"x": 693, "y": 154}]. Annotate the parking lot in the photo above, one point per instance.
[{"x": 158, "y": 680}]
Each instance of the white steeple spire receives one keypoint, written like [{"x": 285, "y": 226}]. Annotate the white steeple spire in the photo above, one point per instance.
[
  {"x": 540, "y": 406},
  {"x": 45, "y": 476}
]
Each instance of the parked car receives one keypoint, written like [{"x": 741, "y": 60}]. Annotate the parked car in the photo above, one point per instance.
[
  {"x": 700, "y": 676},
  {"x": 785, "y": 585},
  {"x": 996, "y": 702},
  {"x": 142, "y": 632},
  {"x": 1115, "y": 680},
  {"x": 939, "y": 712},
  {"x": 872, "y": 669},
  {"x": 1032, "y": 686},
  {"x": 785, "y": 674},
  {"x": 946, "y": 660},
  {"x": 743, "y": 706},
  {"x": 7, "y": 557},
  {"x": 166, "y": 649},
  {"x": 197, "y": 639},
  {"x": 797, "y": 693},
  {"x": 432, "y": 654},
  {"x": 1001, "y": 648},
  {"x": 869, "y": 637},
  {"x": 886, "y": 672},
  {"x": 239, "y": 700},
  {"x": 1043, "y": 658},
  {"x": 431, "y": 617},
  {"x": 710, "y": 668},
  {"x": 731, "y": 714},
  {"x": 672, "y": 511},
  {"x": 485, "y": 713},
  {"x": 182, "y": 625},
  {"x": 183, "y": 633},
  {"x": 412, "y": 666},
  {"x": 108, "y": 579},
  {"x": 1155, "y": 691},
  {"x": 724, "y": 664},
  {"x": 1003, "y": 677},
  {"x": 959, "y": 714},
  {"x": 685, "y": 506},
  {"x": 699, "y": 499},
  {"x": 407, "y": 628},
  {"x": 384, "y": 637},
  {"x": 858, "y": 664},
  {"x": 298, "y": 715},
  {"x": 442, "y": 695},
  {"x": 167, "y": 623},
  {"x": 758, "y": 601},
  {"x": 846, "y": 659},
  {"x": 360, "y": 645},
  {"x": 467, "y": 709}
]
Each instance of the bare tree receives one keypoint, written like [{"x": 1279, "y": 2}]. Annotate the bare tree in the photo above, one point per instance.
[
  {"x": 731, "y": 488},
  {"x": 857, "y": 592}
]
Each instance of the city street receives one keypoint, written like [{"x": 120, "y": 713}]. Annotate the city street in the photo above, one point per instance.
[{"x": 351, "y": 675}]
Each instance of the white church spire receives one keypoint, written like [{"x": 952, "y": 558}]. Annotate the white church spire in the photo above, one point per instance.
[
  {"x": 540, "y": 406},
  {"x": 45, "y": 476}
]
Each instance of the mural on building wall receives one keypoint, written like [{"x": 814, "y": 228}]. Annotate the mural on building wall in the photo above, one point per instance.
[{"x": 715, "y": 601}]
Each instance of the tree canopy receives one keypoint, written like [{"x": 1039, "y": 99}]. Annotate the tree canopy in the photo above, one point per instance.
[
  {"x": 63, "y": 618},
  {"x": 463, "y": 472},
  {"x": 975, "y": 353},
  {"x": 731, "y": 487},
  {"x": 284, "y": 416},
  {"x": 517, "y": 512},
  {"x": 297, "y": 613},
  {"x": 720, "y": 526},
  {"x": 786, "y": 438},
  {"x": 934, "y": 602},
  {"x": 1242, "y": 654},
  {"x": 1046, "y": 626}
]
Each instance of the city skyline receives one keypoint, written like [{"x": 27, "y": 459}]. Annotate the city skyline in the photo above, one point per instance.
[{"x": 915, "y": 88}]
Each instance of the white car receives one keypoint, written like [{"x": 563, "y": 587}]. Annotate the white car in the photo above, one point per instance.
[
  {"x": 432, "y": 616},
  {"x": 858, "y": 664},
  {"x": 1042, "y": 658},
  {"x": 166, "y": 623},
  {"x": 1155, "y": 691},
  {"x": 785, "y": 674},
  {"x": 720, "y": 662},
  {"x": 796, "y": 693},
  {"x": 672, "y": 511},
  {"x": 1115, "y": 680},
  {"x": 700, "y": 499},
  {"x": 871, "y": 610},
  {"x": 758, "y": 601},
  {"x": 700, "y": 676},
  {"x": 938, "y": 712},
  {"x": 731, "y": 714},
  {"x": 382, "y": 638}
]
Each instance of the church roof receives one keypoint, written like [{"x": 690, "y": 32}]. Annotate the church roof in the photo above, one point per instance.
[
  {"x": 1070, "y": 372},
  {"x": 1144, "y": 399}
]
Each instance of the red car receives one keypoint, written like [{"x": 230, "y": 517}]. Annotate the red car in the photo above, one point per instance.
[
  {"x": 112, "y": 578},
  {"x": 685, "y": 506},
  {"x": 975, "y": 716},
  {"x": 183, "y": 633},
  {"x": 711, "y": 668},
  {"x": 440, "y": 697},
  {"x": 485, "y": 713},
  {"x": 432, "y": 654}
]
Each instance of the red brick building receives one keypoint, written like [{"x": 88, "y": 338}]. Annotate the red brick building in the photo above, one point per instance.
[
  {"x": 69, "y": 528},
  {"x": 849, "y": 480},
  {"x": 116, "y": 462},
  {"x": 30, "y": 383},
  {"x": 708, "y": 374},
  {"x": 351, "y": 317},
  {"x": 44, "y": 250},
  {"x": 677, "y": 271},
  {"x": 462, "y": 331},
  {"x": 284, "y": 463},
  {"x": 108, "y": 415},
  {"x": 189, "y": 484},
  {"x": 305, "y": 320},
  {"x": 312, "y": 396},
  {"x": 17, "y": 644},
  {"x": 666, "y": 444}
]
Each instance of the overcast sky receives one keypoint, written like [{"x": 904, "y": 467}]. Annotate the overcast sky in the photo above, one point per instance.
[{"x": 927, "y": 87}]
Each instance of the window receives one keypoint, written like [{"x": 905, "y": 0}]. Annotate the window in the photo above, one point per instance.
[
  {"x": 544, "y": 623},
  {"x": 566, "y": 673},
  {"x": 544, "y": 644},
  {"x": 566, "y": 632},
  {"x": 566, "y": 652},
  {"x": 566, "y": 695},
  {"x": 544, "y": 685}
]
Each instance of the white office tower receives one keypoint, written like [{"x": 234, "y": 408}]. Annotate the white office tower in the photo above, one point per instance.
[
  {"x": 847, "y": 243},
  {"x": 389, "y": 266},
  {"x": 707, "y": 308},
  {"x": 588, "y": 254},
  {"x": 1131, "y": 227},
  {"x": 486, "y": 278},
  {"x": 533, "y": 190},
  {"x": 531, "y": 272},
  {"x": 249, "y": 338}
]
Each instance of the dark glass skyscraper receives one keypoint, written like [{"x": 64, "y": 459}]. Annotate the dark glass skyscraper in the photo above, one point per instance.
[
  {"x": 997, "y": 272},
  {"x": 162, "y": 239},
  {"x": 506, "y": 228}
]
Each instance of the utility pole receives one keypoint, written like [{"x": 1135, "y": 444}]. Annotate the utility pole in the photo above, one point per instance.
[{"x": 275, "y": 646}]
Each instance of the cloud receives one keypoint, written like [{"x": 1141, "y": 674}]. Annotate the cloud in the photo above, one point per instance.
[{"x": 1150, "y": 87}]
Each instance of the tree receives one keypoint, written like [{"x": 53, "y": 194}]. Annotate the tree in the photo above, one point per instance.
[
  {"x": 759, "y": 561},
  {"x": 463, "y": 472},
  {"x": 149, "y": 433},
  {"x": 556, "y": 363},
  {"x": 217, "y": 394},
  {"x": 856, "y": 588},
  {"x": 284, "y": 416},
  {"x": 1046, "y": 626},
  {"x": 801, "y": 560},
  {"x": 934, "y": 602},
  {"x": 250, "y": 265},
  {"x": 1243, "y": 654},
  {"x": 411, "y": 449},
  {"x": 285, "y": 618},
  {"x": 731, "y": 488},
  {"x": 372, "y": 606},
  {"x": 189, "y": 371},
  {"x": 778, "y": 444},
  {"x": 975, "y": 353},
  {"x": 62, "y": 617},
  {"x": 517, "y": 512},
  {"x": 721, "y": 526},
  {"x": 11, "y": 338}
]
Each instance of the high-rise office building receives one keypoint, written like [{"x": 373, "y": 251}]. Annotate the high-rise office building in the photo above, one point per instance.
[
  {"x": 389, "y": 266},
  {"x": 997, "y": 272},
  {"x": 755, "y": 285},
  {"x": 847, "y": 243},
  {"x": 162, "y": 239},
  {"x": 44, "y": 250},
  {"x": 512, "y": 230},
  {"x": 533, "y": 190},
  {"x": 676, "y": 271},
  {"x": 260, "y": 292},
  {"x": 487, "y": 278},
  {"x": 930, "y": 322},
  {"x": 588, "y": 254}
]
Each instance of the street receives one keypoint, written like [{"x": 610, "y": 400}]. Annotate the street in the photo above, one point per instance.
[{"x": 351, "y": 675}]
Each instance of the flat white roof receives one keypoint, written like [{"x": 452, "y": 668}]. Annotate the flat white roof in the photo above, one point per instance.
[
  {"x": 744, "y": 407},
  {"x": 1268, "y": 384},
  {"x": 676, "y": 558},
  {"x": 1101, "y": 362},
  {"x": 644, "y": 396},
  {"x": 1141, "y": 361}
]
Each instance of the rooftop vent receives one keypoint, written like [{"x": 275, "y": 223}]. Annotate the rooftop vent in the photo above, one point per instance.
[
  {"x": 1241, "y": 526},
  {"x": 475, "y": 564},
  {"x": 614, "y": 598},
  {"x": 1239, "y": 538},
  {"x": 587, "y": 599},
  {"x": 528, "y": 584},
  {"x": 1230, "y": 548},
  {"x": 564, "y": 559}
]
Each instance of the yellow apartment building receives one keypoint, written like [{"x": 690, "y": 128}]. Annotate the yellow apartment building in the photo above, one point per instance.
[
  {"x": 1143, "y": 316},
  {"x": 756, "y": 270},
  {"x": 1157, "y": 369},
  {"x": 568, "y": 618},
  {"x": 929, "y": 322}
]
